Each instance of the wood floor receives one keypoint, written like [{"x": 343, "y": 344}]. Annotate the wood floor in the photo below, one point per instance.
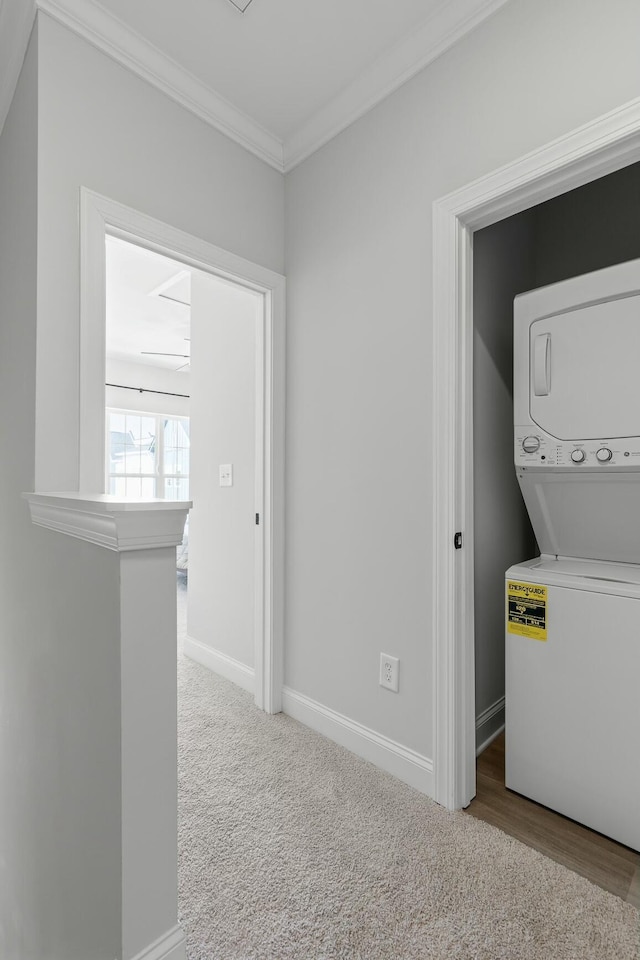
[{"x": 604, "y": 862}]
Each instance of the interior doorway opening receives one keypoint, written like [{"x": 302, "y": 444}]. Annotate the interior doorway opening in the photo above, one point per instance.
[
  {"x": 216, "y": 276},
  {"x": 182, "y": 420},
  {"x": 589, "y": 228},
  {"x": 585, "y": 229}
]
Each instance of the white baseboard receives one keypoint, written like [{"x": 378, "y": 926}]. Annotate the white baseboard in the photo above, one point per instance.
[
  {"x": 220, "y": 663},
  {"x": 403, "y": 762},
  {"x": 489, "y": 725},
  {"x": 171, "y": 946}
]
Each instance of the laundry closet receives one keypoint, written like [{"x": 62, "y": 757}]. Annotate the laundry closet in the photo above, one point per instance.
[{"x": 585, "y": 230}]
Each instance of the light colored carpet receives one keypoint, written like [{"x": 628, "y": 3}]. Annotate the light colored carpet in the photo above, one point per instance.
[{"x": 291, "y": 847}]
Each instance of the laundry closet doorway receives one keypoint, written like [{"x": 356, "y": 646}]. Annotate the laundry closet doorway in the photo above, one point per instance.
[
  {"x": 586, "y": 229},
  {"x": 599, "y": 148}
]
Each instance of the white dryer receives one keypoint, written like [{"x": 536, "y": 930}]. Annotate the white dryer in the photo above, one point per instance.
[
  {"x": 573, "y": 614},
  {"x": 576, "y": 393}
]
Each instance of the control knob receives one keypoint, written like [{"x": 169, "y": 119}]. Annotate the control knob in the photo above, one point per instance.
[
  {"x": 604, "y": 454},
  {"x": 530, "y": 444},
  {"x": 578, "y": 456}
]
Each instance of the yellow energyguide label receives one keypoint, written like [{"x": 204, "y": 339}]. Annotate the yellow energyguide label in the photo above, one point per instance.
[{"x": 527, "y": 610}]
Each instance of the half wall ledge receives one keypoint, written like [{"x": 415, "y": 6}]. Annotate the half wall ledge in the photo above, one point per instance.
[
  {"x": 110, "y": 521},
  {"x": 143, "y": 534}
]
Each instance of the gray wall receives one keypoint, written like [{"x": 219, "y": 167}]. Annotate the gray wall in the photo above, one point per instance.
[
  {"x": 359, "y": 351},
  {"x": 105, "y": 128},
  {"x": 583, "y": 230},
  {"x": 79, "y": 119},
  {"x": 59, "y": 659},
  {"x": 359, "y": 557}
]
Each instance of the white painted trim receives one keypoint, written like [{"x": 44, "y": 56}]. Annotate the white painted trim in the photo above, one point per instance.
[
  {"x": 221, "y": 663},
  {"x": 113, "y": 37},
  {"x": 400, "y": 761},
  {"x": 93, "y": 356},
  {"x": 99, "y": 215},
  {"x": 447, "y": 24},
  {"x": 16, "y": 23},
  {"x": 483, "y": 719},
  {"x": 593, "y": 150},
  {"x": 171, "y": 946},
  {"x": 109, "y": 522},
  {"x": 261, "y": 557}
]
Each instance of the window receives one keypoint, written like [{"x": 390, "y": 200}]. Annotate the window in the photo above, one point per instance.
[{"x": 147, "y": 455}]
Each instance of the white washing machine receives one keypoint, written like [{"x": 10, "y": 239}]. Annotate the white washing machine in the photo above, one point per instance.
[
  {"x": 573, "y": 618},
  {"x": 573, "y": 691}
]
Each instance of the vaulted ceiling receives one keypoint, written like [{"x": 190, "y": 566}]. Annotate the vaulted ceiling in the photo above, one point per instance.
[{"x": 282, "y": 78}]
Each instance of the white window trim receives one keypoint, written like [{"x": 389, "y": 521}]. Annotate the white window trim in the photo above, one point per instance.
[{"x": 160, "y": 474}]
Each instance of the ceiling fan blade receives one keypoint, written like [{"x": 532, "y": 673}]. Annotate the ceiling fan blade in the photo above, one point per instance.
[
  {"x": 183, "y": 303},
  {"x": 156, "y": 353}
]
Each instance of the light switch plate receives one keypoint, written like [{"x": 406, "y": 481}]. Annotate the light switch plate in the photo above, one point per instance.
[{"x": 226, "y": 474}]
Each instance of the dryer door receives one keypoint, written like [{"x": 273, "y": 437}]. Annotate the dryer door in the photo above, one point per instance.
[{"x": 584, "y": 373}]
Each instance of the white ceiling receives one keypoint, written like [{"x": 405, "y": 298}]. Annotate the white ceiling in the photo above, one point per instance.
[
  {"x": 139, "y": 317},
  {"x": 282, "y": 78}
]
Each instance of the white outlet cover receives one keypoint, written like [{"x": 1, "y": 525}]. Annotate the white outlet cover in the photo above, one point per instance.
[
  {"x": 226, "y": 474},
  {"x": 389, "y": 672}
]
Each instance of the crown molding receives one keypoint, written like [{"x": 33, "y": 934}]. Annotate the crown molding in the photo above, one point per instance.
[
  {"x": 113, "y": 37},
  {"x": 16, "y": 22},
  {"x": 110, "y": 522},
  {"x": 446, "y": 25}
]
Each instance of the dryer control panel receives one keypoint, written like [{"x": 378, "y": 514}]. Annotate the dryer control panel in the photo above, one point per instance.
[{"x": 535, "y": 448}]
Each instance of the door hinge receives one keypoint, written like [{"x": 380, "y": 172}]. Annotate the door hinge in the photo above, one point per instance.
[
  {"x": 457, "y": 540},
  {"x": 257, "y": 519}
]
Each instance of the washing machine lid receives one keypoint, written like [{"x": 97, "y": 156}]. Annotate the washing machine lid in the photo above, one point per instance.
[
  {"x": 621, "y": 579},
  {"x": 584, "y": 379},
  {"x": 590, "y": 514}
]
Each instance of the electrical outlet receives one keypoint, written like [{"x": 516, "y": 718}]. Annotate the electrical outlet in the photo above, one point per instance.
[{"x": 389, "y": 669}]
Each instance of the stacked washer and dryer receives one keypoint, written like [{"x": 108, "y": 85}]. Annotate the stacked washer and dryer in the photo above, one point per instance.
[{"x": 573, "y": 613}]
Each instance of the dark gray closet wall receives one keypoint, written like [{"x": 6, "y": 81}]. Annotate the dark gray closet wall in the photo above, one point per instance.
[
  {"x": 587, "y": 229},
  {"x": 503, "y": 265}
]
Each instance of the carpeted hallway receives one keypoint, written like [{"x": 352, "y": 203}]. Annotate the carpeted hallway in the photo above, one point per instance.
[{"x": 291, "y": 847}]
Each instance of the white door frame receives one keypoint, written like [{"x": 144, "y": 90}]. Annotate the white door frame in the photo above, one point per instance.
[
  {"x": 593, "y": 150},
  {"x": 99, "y": 216}
]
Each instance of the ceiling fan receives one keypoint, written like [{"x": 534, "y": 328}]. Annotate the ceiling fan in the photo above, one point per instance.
[{"x": 183, "y": 356}]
